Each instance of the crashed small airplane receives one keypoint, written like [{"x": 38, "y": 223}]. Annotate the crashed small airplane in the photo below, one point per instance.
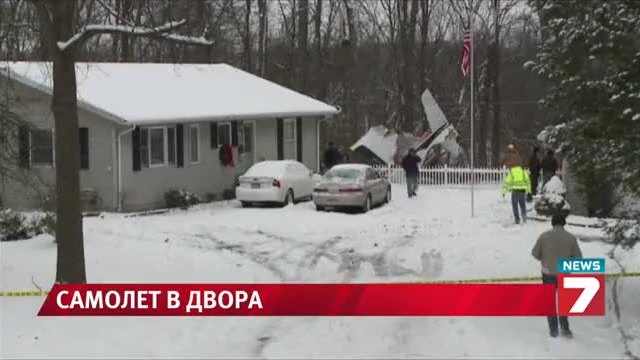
[{"x": 439, "y": 146}]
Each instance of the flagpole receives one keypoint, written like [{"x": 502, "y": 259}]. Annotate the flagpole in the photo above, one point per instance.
[{"x": 473, "y": 180}]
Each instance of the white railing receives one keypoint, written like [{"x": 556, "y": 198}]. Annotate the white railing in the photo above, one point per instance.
[{"x": 446, "y": 176}]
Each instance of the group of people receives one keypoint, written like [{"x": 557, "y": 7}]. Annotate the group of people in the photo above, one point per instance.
[{"x": 523, "y": 179}]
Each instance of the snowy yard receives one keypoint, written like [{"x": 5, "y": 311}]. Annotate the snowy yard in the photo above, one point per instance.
[{"x": 431, "y": 237}]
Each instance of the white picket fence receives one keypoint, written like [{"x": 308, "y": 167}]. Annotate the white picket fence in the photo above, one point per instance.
[{"x": 446, "y": 176}]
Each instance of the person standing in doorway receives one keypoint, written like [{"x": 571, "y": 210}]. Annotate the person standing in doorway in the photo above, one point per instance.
[
  {"x": 549, "y": 166},
  {"x": 534, "y": 170},
  {"x": 411, "y": 165},
  {"x": 552, "y": 245},
  {"x": 518, "y": 183},
  {"x": 331, "y": 156}
]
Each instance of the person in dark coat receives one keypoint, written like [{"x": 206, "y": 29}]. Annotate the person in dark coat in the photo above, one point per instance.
[
  {"x": 534, "y": 171},
  {"x": 549, "y": 166},
  {"x": 411, "y": 165},
  {"x": 331, "y": 156}
]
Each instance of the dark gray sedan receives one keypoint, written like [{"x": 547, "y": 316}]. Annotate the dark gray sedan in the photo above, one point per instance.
[{"x": 351, "y": 186}]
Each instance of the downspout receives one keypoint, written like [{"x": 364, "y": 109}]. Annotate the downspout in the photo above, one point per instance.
[{"x": 120, "y": 165}]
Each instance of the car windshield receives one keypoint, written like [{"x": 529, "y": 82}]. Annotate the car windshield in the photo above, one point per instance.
[{"x": 344, "y": 174}]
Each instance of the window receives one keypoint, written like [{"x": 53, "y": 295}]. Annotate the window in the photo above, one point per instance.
[
  {"x": 224, "y": 134},
  {"x": 194, "y": 143},
  {"x": 289, "y": 139},
  {"x": 41, "y": 148},
  {"x": 157, "y": 147},
  {"x": 245, "y": 145}
]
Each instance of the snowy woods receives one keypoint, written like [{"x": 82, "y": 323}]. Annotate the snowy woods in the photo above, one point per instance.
[{"x": 372, "y": 58}]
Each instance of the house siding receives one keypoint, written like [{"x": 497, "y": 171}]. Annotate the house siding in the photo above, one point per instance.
[
  {"x": 34, "y": 107},
  {"x": 145, "y": 189}
]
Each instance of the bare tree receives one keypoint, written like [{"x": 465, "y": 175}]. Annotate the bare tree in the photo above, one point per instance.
[
  {"x": 263, "y": 14},
  {"x": 62, "y": 44}
]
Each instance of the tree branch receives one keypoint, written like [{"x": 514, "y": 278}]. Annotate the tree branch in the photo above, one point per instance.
[{"x": 158, "y": 32}]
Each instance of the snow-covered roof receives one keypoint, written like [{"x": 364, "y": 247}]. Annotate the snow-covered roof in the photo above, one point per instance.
[{"x": 152, "y": 93}]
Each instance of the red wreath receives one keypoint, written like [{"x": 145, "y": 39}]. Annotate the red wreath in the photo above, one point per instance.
[{"x": 226, "y": 155}]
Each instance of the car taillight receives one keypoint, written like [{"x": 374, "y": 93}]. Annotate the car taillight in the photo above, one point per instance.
[
  {"x": 276, "y": 183},
  {"x": 351, "y": 190}
]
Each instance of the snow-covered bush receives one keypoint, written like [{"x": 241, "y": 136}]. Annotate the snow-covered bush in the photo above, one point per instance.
[
  {"x": 15, "y": 226},
  {"x": 553, "y": 202},
  {"x": 180, "y": 198}
]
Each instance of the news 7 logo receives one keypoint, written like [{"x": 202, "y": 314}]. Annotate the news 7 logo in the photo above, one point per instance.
[{"x": 581, "y": 287}]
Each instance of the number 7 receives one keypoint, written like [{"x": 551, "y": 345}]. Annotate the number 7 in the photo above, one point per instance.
[{"x": 589, "y": 284}]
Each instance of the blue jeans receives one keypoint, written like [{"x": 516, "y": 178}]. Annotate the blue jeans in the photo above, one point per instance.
[
  {"x": 412, "y": 184},
  {"x": 553, "y": 320},
  {"x": 519, "y": 200}
]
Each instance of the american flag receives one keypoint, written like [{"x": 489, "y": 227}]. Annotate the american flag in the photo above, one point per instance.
[{"x": 466, "y": 53}]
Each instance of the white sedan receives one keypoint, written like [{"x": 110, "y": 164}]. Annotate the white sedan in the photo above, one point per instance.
[{"x": 275, "y": 181}]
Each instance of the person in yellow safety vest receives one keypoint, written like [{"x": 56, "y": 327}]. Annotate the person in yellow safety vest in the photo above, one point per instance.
[{"x": 519, "y": 184}]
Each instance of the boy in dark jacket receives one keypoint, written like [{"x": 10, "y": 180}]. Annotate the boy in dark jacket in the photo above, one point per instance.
[{"x": 411, "y": 165}]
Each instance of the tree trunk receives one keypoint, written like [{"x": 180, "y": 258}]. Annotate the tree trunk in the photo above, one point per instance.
[
  {"x": 247, "y": 36},
  {"x": 115, "y": 39},
  {"x": 497, "y": 121},
  {"x": 303, "y": 41},
  {"x": 349, "y": 48},
  {"x": 70, "y": 264},
  {"x": 425, "y": 14},
  {"x": 125, "y": 40},
  {"x": 318, "y": 50},
  {"x": 263, "y": 11}
]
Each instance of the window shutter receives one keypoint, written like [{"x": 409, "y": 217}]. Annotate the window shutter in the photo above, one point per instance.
[
  {"x": 24, "y": 153},
  {"x": 179, "y": 145},
  {"x": 135, "y": 148},
  {"x": 214, "y": 135},
  {"x": 84, "y": 147},
  {"x": 299, "y": 138},
  {"x": 279, "y": 136},
  {"x": 234, "y": 133}
]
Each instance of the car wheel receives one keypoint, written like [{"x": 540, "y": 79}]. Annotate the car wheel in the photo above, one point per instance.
[
  {"x": 245, "y": 204},
  {"x": 367, "y": 204},
  {"x": 288, "y": 199},
  {"x": 387, "y": 199},
  {"x": 320, "y": 208}
]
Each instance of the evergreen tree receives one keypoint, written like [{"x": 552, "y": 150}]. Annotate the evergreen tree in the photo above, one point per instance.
[{"x": 590, "y": 57}]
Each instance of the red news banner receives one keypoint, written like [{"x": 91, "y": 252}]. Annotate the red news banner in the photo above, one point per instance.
[{"x": 300, "y": 300}]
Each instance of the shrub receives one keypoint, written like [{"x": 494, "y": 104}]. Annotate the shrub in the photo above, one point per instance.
[
  {"x": 15, "y": 226},
  {"x": 180, "y": 199},
  {"x": 553, "y": 200}
]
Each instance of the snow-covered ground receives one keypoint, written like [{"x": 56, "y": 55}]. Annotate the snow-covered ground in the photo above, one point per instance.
[{"x": 431, "y": 237}]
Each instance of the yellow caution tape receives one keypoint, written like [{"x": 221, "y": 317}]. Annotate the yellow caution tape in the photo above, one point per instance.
[
  {"x": 466, "y": 281},
  {"x": 23, "y": 293}
]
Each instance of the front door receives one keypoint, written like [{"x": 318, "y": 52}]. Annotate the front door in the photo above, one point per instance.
[{"x": 246, "y": 144}]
